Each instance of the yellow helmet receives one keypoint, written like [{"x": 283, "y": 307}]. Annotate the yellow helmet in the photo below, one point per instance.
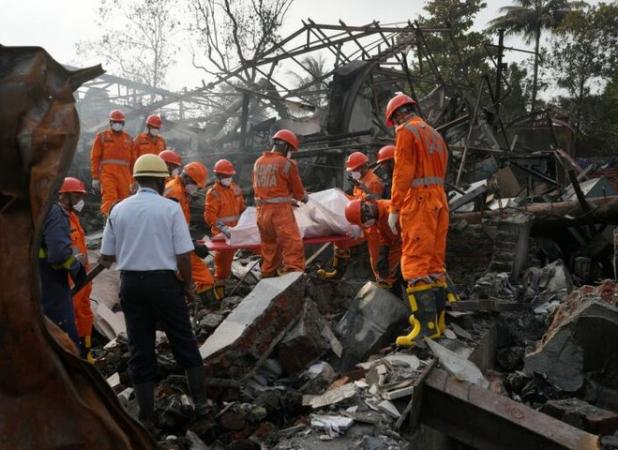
[{"x": 150, "y": 166}]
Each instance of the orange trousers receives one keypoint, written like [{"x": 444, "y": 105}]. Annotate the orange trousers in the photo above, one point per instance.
[
  {"x": 202, "y": 278},
  {"x": 115, "y": 185},
  {"x": 424, "y": 227},
  {"x": 223, "y": 264},
  {"x": 282, "y": 245},
  {"x": 83, "y": 312}
]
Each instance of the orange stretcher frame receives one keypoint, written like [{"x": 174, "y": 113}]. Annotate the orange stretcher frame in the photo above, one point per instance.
[{"x": 214, "y": 246}]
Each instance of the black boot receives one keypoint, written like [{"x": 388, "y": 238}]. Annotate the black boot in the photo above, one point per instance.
[
  {"x": 196, "y": 379},
  {"x": 144, "y": 393}
]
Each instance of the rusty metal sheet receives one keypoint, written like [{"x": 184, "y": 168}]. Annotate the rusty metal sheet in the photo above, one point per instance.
[
  {"x": 49, "y": 398},
  {"x": 488, "y": 421}
]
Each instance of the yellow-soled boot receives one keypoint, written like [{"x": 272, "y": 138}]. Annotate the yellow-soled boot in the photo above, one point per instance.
[
  {"x": 340, "y": 265},
  {"x": 423, "y": 300},
  {"x": 219, "y": 290}
]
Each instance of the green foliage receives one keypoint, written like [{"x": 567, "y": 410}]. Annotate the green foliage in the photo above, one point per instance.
[
  {"x": 514, "y": 105},
  {"x": 461, "y": 60}
]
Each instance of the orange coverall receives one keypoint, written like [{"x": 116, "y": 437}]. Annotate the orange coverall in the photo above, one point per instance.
[
  {"x": 145, "y": 144},
  {"x": 81, "y": 301},
  {"x": 202, "y": 278},
  {"x": 371, "y": 184},
  {"x": 385, "y": 258},
  {"x": 111, "y": 162},
  {"x": 276, "y": 183},
  {"x": 223, "y": 204},
  {"x": 421, "y": 157}
]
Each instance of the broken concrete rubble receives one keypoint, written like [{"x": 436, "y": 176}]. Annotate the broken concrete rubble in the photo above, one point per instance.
[
  {"x": 374, "y": 319},
  {"x": 576, "y": 341},
  {"x": 248, "y": 333}
]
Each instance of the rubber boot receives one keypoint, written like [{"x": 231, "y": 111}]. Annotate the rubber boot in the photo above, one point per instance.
[
  {"x": 424, "y": 319},
  {"x": 144, "y": 394},
  {"x": 220, "y": 290},
  {"x": 442, "y": 298},
  {"x": 196, "y": 379},
  {"x": 340, "y": 265}
]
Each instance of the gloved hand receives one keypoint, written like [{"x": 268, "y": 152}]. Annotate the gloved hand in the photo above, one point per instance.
[
  {"x": 227, "y": 231},
  {"x": 96, "y": 186},
  {"x": 393, "y": 222},
  {"x": 200, "y": 249},
  {"x": 306, "y": 197}
]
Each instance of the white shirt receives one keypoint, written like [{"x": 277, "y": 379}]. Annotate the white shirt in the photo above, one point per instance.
[{"x": 145, "y": 232}]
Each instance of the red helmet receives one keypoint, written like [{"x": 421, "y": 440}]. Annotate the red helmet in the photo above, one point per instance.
[
  {"x": 386, "y": 153},
  {"x": 353, "y": 212},
  {"x": 394, "y": 104},
  {"x": 197, "y": 172},
  {"x": 224, "y": 167},
  {"x": 71, "y": 184},
  {"x": 116, "y": 116},
  {"x": 171, "y": 157},
  {"x": 154, "y": 121},
  {"x": 289, "y": 137},
  {"x": 355, "y": 160}
]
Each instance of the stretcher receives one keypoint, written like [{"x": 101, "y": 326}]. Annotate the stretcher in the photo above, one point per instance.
[{"x": 217, "y": 245}]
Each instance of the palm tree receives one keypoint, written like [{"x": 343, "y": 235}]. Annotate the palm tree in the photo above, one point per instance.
[{"x": 530, "y": 18}]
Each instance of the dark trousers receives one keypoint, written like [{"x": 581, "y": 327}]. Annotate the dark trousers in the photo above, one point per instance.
[{"x": 148, "y": 298}]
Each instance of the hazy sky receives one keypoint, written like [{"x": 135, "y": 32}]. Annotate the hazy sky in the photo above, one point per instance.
[{"x": 57, "y": 25}]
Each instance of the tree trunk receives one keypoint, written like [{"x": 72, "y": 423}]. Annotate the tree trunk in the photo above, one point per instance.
[{"x": 536, "y": 68}]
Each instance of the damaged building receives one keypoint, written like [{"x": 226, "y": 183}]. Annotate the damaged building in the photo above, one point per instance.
[{"x": 298, "y": 362}]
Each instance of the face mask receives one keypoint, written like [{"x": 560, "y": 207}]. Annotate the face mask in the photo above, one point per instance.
[
  {"x": 191, "y": 189},
  {"x": 77, "y": 207},
  {"x": 226, "y": 181},
  {"x": 154, "y": 132},
  {"x": 175, "y": 172},
  {"x": 117, "y": 126},
  {"x": 356, "y": 175},
  {"x": 289, "y": 154}
]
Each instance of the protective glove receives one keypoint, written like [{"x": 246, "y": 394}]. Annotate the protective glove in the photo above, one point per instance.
[
  {"x": 96, "y": 186},
  {"x": 200, "y": 249},
  {"x": 393, "y": 222},
  {"x": 227, "y": 231},
  {"x": 306, "y": 198}
]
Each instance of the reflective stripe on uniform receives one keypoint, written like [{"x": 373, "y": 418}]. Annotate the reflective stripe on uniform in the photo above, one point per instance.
[
  {"x": 118, "y": 162},
  {"x": 286, "y": 168},
  {"x": 272, "y": 201},
  {"x": 228, "y": 219},
  {"x": 427, "y": 181}
]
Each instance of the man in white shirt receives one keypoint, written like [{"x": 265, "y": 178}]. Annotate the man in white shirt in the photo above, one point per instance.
[{"x": 146, "y": 235}]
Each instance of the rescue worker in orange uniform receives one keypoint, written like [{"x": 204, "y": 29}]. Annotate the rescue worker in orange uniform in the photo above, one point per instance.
[
  {"x": 367, "y": 185},
  {"x": 276, "y": 184},
  {"x": 386, "y": 160},
  {"x": 149, "y": 141},
  {"x": 222, "y": 208},
  {"x": 111, "y": 160},
  {"x": 385, "y": 263},
  {"x": 173, "y": 161},
  {"x": 419, "y": 206},
  {"x": 181, "y": 189},
  {"x": 71, "y": 198}
]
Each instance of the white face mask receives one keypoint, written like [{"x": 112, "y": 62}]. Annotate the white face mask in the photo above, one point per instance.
[
  {"x": 117, "y": 126},
  {"x": 77, "y": 207},
  {"x": 356, "y": 175},
  {"x": 154, "y": 132},
  {"x": 191, "y": 189},
  {"x": 226, "y": 181},
  {"x": 289, "y": 155},
  {"x": 175, "y": 172}
]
